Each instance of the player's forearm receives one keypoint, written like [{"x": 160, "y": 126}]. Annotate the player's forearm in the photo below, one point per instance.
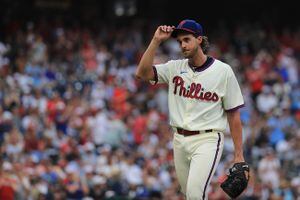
[
  {"x": 236, "y": 133},
  {"x": 144, "y": 70}
]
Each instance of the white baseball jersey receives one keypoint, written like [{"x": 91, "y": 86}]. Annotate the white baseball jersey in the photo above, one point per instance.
[{"x": 199, "y": 98}]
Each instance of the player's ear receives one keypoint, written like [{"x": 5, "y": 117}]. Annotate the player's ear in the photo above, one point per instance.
[{"x": 199, "y": 38}]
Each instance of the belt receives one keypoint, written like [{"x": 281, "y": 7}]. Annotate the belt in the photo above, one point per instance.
[{"x": 189, "y": 133}]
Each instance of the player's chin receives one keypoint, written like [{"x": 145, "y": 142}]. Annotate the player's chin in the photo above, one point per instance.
[{"x": 186, "y": 54}]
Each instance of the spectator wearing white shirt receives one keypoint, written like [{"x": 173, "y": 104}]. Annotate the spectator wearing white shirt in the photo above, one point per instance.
[
  {"x": 266, "y": 101},
  {"x": 269, "y": 169}
]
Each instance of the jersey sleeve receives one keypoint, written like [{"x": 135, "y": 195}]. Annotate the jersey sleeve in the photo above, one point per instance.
[
  {"x": 233, "y": 98},
  {"x": 161, "y": 73}
]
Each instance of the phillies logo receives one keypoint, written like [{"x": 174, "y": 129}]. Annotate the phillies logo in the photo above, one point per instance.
[{"x": 194, "y": 91}]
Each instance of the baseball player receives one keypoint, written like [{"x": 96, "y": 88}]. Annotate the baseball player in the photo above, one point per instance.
[{"x": 203, "y": 95}]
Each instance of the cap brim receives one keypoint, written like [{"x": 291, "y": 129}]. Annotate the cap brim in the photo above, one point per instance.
[{"x": 180, "y": 30}]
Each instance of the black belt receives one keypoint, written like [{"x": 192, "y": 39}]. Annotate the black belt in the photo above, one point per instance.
[{"x": 189, "y": 133}]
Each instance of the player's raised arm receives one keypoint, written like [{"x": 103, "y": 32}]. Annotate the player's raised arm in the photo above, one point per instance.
[{"x": 144, "y": 70}]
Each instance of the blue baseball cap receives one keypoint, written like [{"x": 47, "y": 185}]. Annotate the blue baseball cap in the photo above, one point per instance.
[{"x": 190, "y": 26}]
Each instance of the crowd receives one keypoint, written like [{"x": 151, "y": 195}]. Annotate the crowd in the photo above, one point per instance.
[{"x": 76, "y": 124}]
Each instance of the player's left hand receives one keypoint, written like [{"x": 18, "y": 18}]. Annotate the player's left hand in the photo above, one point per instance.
[
  {"x": 240, "y": 159},
  {"x": 237, "y": 179}
]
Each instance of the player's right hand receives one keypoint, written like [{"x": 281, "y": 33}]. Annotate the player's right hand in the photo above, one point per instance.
[{"x": 163, "y": 33}]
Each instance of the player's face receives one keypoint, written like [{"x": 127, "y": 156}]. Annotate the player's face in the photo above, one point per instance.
[{"x": 189, "y": 44}]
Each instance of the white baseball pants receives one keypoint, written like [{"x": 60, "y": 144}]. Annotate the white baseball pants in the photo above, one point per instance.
[{"x": 196, "y": 158}]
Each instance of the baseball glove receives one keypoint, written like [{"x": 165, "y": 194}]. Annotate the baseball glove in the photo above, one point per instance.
[{"x": 237, "y": 179}]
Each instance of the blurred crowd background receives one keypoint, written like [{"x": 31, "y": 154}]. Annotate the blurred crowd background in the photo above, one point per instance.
[{"x": 76, "y": 124}]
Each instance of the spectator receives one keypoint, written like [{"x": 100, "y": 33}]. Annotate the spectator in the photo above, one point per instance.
[{"x": 269, "y": 169}]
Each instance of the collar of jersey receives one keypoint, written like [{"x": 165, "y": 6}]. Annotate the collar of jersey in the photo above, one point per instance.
[{"x": 209, "y": 61}]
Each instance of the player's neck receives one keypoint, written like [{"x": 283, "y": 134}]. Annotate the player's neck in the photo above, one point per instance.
[{"x": 198, "y": 60}]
